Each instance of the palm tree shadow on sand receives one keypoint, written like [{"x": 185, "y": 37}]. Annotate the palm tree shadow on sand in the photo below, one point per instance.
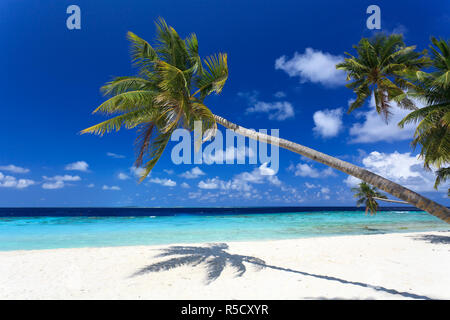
[
  {"x": 431, "y": 238},
  {"x": 216, "y": 258}
]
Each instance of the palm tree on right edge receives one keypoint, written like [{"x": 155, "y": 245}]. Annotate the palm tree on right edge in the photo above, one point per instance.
[
  {"x": 433, "y": 120},
  {"x": 160, "y": 99}
]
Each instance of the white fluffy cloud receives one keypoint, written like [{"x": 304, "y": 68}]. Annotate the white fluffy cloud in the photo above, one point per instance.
[
  {"x": 313, "y": 66},
  {"x": 351, "y": 181},
  {"x": 78, "y": 166},
  {"x": 324, "y": 193},
  {"x": 402, "y": 168},
  {"x": 279, "y": 94},
  {"x": 280, "y": 110},
  {"x": 58, "y": 182},
  {"x": 193, "y": 173},
  {"x": 123, "y": 176},
  {"x": 164, "y": 182},
  {"x": 137, "y": 172},
  {"x": 65, "y": 177},
  {"x": 113, "y": 188},
  {"x": 213, "y": 183},
  {"x": 14, "y": 169},
  {"x": 244, "y": 180},
  {"x": 53, "y": 185},
  {"x": 374, "y": 128},
  {"x": 306, "y": 170},
  {"x": 328, "y": 123},
  {"x": 325, "y": 190},
  {"x": 115, "y": 155},
  {"x": 258, "y": 175},
  {"x": 229, "y": 155},
  {"x": 13, "y": 182},
  {"x": 244, "y": 186},
  {"x": 311, "y": 186}
]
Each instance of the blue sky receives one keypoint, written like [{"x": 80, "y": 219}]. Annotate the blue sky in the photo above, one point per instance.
[{"x": 280, "y": 55}]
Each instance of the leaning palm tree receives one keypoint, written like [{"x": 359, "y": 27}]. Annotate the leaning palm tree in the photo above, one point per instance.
[
  {"x": 379, "y": 70},
  {"x": 368, "y": 195},
  {"x": 433, "y": 130},
  {"x": 170, "y": 92}
]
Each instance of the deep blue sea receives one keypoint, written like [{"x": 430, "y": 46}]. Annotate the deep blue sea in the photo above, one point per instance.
[{"x": 49, "y": 228}]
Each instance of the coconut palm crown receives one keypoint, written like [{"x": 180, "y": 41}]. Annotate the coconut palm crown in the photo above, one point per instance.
[
  {"x": 168, "y": 93},
  {"x": 379, "y": 70},
  {"x": 433, "y": 132},
  {"x": 366, "y": 194}
]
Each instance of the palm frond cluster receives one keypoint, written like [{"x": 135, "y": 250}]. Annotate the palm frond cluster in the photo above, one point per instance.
[
  {"x": 167, "y": 93},
  {"x": 366, "y": 194},
  {"x": 380, "y": 69},
  {"x": 432, "y": 132}
]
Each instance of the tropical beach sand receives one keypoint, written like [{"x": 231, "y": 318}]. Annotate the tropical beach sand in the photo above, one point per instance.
[{"x": 382, "y": 266}]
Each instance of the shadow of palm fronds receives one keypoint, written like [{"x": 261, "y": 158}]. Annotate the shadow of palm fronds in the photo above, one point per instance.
[
  {"x": 213, "y": 256},
  {"x": 434, "y": 238},
  {"x": 216, "y": 258}
]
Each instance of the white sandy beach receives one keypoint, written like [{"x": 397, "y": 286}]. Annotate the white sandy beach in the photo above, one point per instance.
[{"x": 385, "y": 266}]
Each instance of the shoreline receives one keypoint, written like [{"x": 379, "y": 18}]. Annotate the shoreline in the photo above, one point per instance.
[
  {"x": 235, "y": 241},
  {"x": 28, "y": 212}
]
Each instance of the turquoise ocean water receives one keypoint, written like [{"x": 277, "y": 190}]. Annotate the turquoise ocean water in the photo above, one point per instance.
[{"x": 48, "y": 232}]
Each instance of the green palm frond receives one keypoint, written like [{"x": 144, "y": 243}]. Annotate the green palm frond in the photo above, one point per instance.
[
  {"x": 172, "y": 79},
  {"x": 141, "y": 50},
  {"x": 154, "y": 153},
  {"x": 443, "y": 80},
  {"x": 124, "y": 84},
  {"x": 362, "y": 94},
  {"x": 144, "y": 141},
  {"x": 380, "y": 68},
  {"x": 126, "y": 102},
  {"x": 129, "y": 120},
  {"x": 432, "y": 132},
  {"x": 171, "y": 48},
  {"x": 441, "y": 176},
  {"x": 366, "y": 194},
  {"x": 192, "y": 46},
  {"x": 142, "y": 55},
  {"x": 202, "y": 114},
  {"x": 214, "y": 76},
  {"x": 159, "y": 99}
]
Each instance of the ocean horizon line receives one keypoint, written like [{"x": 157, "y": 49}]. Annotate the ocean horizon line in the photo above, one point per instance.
[
  {"x": 198, "y": 207},
  {"x": 170, "y": 211}
]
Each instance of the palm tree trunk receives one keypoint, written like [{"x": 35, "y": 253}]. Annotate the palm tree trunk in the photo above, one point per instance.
[
  {"x": 384, "y": 184},
  {"x": 389, "y": 200}
]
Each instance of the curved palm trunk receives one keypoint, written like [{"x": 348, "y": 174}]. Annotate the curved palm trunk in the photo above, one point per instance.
[{"x": 386, "y": 185}]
